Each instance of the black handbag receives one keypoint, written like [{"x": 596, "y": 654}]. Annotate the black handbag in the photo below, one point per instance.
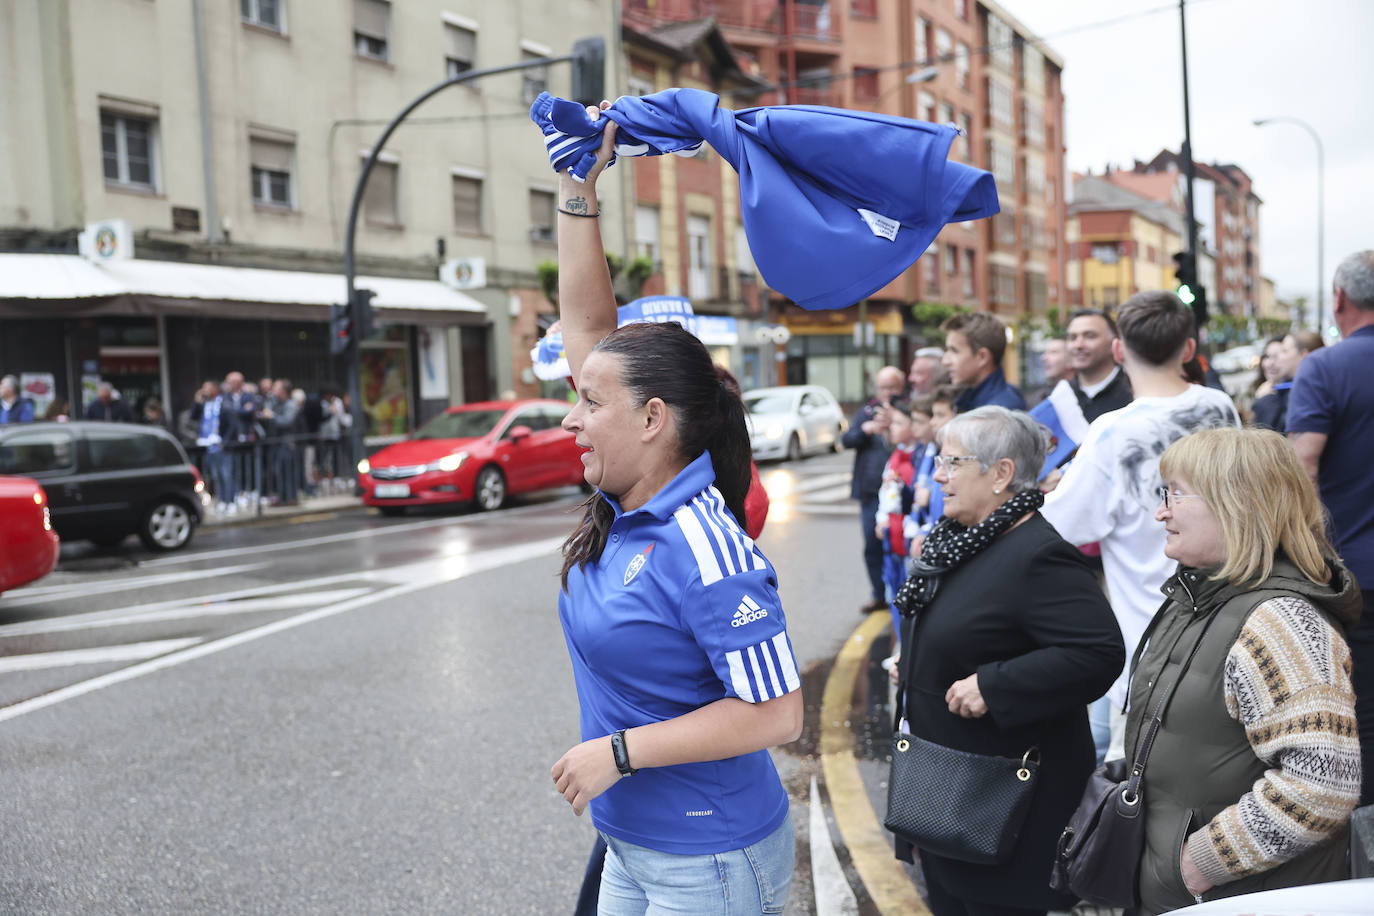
[
  {"x": 953, "y": 803},
  {"x": 956, "y": 804},
  {"x": 1098, "y": 854}
]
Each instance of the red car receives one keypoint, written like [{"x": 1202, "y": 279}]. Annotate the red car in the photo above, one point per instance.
[
  {"x": 28, "y": 545},
  {"x": 476, "y": 453}
]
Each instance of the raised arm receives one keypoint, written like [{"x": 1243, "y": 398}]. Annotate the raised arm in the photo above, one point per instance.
[{"x": 586, "y": 304}]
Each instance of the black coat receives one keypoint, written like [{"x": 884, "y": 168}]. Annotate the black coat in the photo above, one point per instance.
[
  {"x": 1028, "y": 616},
  {"x": 870, "y": 454}
]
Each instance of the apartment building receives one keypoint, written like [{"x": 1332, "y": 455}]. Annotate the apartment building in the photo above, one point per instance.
[
  {"x": 1227, "y": 211},
  {"x": 964, "y": 62},
  {"x": 223, "y": 141},
  {"x": 1119, "y": 243}
]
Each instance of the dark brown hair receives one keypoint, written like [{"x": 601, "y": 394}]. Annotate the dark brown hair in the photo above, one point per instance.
[
  {"x": 947, "y": 394},
  {"x": 668, "y": 362},
  {"x": 983, "y": 330},
  {"x": 1155, "y": 324}
]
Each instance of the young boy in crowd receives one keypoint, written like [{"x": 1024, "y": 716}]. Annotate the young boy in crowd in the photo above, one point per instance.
[{"x": 908, "y": 434}]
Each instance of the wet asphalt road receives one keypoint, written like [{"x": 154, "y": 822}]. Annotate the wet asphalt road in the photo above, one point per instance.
[{"x": 339, "y": 714}]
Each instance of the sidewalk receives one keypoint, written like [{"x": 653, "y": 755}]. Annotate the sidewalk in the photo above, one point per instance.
[{"x": 308, "y": 505}]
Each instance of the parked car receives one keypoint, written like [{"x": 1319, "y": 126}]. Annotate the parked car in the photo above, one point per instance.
[
  {"x": 475, "y": 453},
  {"x": 106, "y": 481},
  {"x": 28, "y": 545},
  {"x": 793, "y": 420}
]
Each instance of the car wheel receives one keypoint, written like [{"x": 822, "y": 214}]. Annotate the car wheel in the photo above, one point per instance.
[
  {"x": 166, "y": 526},
  {"x": 392, "y": 511},
  {"x": 794, "y": 451},
  {"x": 490, "y": 490}
]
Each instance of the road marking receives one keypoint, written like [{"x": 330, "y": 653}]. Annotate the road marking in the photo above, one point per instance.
[
  {"x": 821, "y": 481},
  {"x": 869, "y": 844},
  {"x": 832, "y": 892},
  {"x": 132, "y": 652},
  {"x": 46, "y": 593},
  {"x": 95, "y": 618},
  {"x": 828, "y": 494},
  {"x": 186, "y": 610},
  {"x": 426, "y": 575},
  {"x": 542, "y": 508}
]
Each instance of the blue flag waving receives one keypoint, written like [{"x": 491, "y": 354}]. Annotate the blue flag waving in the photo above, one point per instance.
[
  {"x": 835, "y": 203},
  {"x": 1061, "y": 414}
]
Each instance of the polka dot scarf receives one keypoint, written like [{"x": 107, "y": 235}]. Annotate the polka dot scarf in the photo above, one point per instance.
[{"x": 950, "y": 545}]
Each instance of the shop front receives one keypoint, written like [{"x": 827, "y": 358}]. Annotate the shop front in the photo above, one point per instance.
[{"x": 157, "y": 330}]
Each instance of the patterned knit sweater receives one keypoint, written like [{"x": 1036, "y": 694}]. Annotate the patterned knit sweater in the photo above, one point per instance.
[{"x": 1287, "y": 681}]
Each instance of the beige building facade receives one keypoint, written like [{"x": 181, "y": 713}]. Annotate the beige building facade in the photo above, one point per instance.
[{"x": 231, "y": 135}]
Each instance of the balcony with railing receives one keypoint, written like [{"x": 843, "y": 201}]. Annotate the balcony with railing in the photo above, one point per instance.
[
  {"x": 806, "y": 19},
  {"x": 754, "y": 15}
]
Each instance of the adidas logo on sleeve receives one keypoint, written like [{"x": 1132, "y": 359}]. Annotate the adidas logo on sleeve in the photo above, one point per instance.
[{"x": 748, "y": 612}]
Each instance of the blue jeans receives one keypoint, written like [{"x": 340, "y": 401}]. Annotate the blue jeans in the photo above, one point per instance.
[
  {"x": 1100, "y": 720},
  {"x": 219, "y": 466},
  {"x": 742, "y": 882}
]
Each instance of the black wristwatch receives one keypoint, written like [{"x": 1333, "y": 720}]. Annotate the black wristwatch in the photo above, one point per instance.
[{"x": 622, "y": 757}]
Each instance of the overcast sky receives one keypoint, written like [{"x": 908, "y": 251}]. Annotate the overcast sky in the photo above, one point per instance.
[{"x": 1248, "y": 59}]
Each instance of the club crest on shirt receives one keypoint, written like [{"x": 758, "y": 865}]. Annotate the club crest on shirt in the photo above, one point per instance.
[{"x": 637, "y": 563}]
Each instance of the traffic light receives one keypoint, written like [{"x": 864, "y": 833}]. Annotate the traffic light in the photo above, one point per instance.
[
  {"x": 362, "y": 312},
  {"x": 1185, "y": 276},
  {"x": 344, "y": 322},
  {"x": 589, "y": 70},
  {"x": 340, "y": 329}
]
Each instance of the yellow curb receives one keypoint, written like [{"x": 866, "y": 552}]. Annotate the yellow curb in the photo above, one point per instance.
[{"x": 870, "y": 845}]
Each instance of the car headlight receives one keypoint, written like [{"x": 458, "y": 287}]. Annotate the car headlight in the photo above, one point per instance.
[
  {"x": 364, "y": 466},
  {"x": 449, "y": 462},
  {"x": 774, "y": 431}
]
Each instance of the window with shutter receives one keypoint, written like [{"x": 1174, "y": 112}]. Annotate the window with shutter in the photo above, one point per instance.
[
  {"x": 461, "y": 47},
  {"x": 541, "y": 216},
  {"x": 271, "y": 171},
  {"x": 379, "y": 200},
  {"x": 371, "y": 28},
  {"x": 467, "y": 205}
]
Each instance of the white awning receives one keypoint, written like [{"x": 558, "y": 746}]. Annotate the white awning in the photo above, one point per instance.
[{"x": 67, "y": 277}]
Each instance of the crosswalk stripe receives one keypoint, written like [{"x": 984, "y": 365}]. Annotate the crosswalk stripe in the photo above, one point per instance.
[
  {"x": 133, "y": 652},
  {"x": 192, "y": 609},
  {"x": 44, "y": 593}
]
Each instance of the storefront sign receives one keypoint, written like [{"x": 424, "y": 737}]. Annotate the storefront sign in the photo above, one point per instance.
[
  {"x": 110, "y": 240},
  {"x": 464, "y": 273}
]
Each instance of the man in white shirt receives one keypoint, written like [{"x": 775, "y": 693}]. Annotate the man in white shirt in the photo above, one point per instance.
[{"x": 1109, "y": 493}]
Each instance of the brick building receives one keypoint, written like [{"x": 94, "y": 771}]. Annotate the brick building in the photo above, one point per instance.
[
  {"x": 1119, "y": 242},
  {"x": 970, "y": 63}
]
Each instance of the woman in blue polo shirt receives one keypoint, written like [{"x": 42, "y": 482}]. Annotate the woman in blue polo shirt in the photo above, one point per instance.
[{"x": 684, "y": 671}]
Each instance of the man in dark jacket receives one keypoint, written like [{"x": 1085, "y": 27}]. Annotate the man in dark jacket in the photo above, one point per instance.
[
  {"x": 974, "y": 346},
  {"x": 865, "y": 437},
  {"x": 108, "y": 407},
  {"x": 1098, "y": 381},
  {"x": 13, "y": 408}
]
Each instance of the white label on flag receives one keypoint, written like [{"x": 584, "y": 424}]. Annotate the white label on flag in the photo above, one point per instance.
[{"x": 882, "y": 226}]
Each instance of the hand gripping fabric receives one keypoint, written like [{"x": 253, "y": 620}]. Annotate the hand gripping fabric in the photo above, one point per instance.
[{"x": 836, "y": 203}]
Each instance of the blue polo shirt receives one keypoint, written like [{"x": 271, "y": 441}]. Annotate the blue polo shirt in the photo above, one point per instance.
[
  {"x": 1332, "y": 394},
  {"x": 681, "y": 610},
  {"x": 995, "y": 390}
]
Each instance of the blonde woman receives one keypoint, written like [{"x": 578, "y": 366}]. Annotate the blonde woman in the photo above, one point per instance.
[{"x": 1256, "y": 768}]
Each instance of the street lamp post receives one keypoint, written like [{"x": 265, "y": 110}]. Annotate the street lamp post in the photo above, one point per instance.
[
  {"x": 588, "y": 58},
  {"x": 1321, "y": 210}
]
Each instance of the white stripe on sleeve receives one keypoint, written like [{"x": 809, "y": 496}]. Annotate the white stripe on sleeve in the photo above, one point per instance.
[
  {"x": 789, "y": 665},
  {"x": 758, "y": 673},
  {"x": 738, "y": 679},
  {"x": 772, "y": 672},
  {"x": 707, "y": 564},
  {"x": 720, "y": 536}
]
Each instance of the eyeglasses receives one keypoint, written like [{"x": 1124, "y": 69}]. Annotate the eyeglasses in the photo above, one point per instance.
[
  {"x": 950, "y": 462},
  {"x": 1169, "y": 498}
]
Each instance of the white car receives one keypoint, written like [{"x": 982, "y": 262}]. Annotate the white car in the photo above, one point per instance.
[{"x": 793, "y": 420}]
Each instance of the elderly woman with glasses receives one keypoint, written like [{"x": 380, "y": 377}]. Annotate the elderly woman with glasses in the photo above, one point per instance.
[
  {"x": 1255, "y": 769},
  {"x": 1008, "y": 638}
]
